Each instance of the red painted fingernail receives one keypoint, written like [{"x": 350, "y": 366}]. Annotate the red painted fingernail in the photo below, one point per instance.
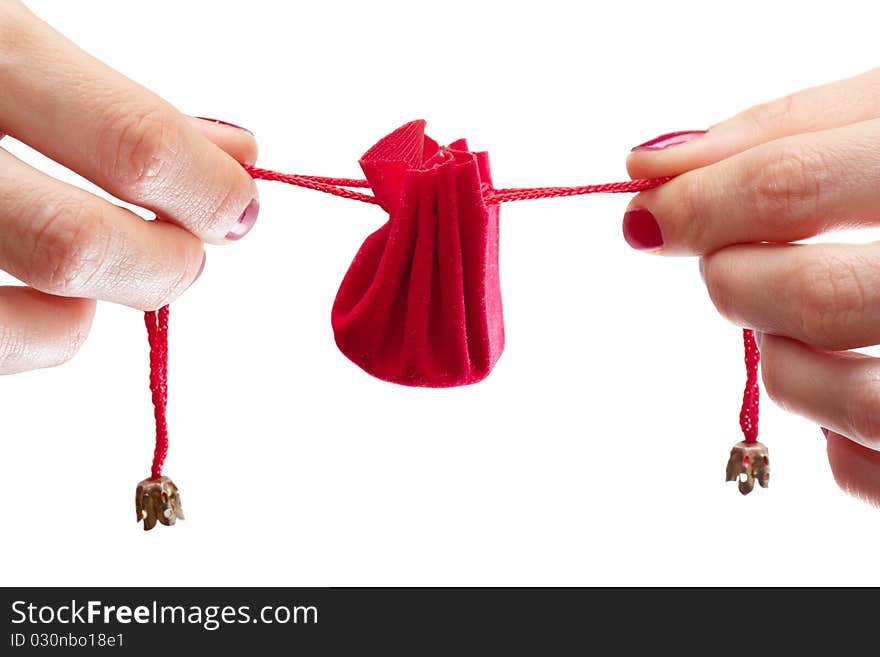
[
  {"x": 825, "y": 431},
  {"x": 669, "y": 139},
  {"x": 641, "y": 231},
  {"x": 226, "y": 123},
  {"x": 245, "y": 222}
]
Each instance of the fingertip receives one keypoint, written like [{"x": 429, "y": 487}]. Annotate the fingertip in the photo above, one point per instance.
[
  {"x": 245, "y": 222},
  {"x": 668, "y": 140},
  {"x": 82, "y": 312},
  {"x": 856, "y": 468},
  {"x": 177, "y": 261},
  {"x": 669, "y": 154},
  {"x": 84, "y": 309},
  {"x": 230, "y": 147},
  {"x": 201, "y": 268},
  {"x": 646, "y": 164},
  {"x": 641, "y": 230},
  {"x": 244, "y": 214},
  {"x": 220, "y": 122},
  {"x": 633, "y": 168},
  {"x": 235, "y": 140},
  {"x": 186, "y": 285},
  {"x": 79, "y": 311},
  {"x": 39, "y": 330},
  {"x": 193, "y": 270}
]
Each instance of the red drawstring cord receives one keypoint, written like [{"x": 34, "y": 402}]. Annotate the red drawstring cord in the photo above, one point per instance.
[
  {"x": 157, "y": 332},
  {"x": 526, "y": 194},
  {"x": 157, "y": 321},
  {"x": 336, "y": 186},
  {"x": 748, "y": 415}
]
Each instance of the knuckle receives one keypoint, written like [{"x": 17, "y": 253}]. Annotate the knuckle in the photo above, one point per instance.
[
  {"x": 827, "y": 293},
  {"x": 787, "y": 183},
  {"x": 70, "y": 249},
  {"x": 137, "y": 148}
]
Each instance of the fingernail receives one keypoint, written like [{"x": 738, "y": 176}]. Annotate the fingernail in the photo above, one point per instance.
[
  {"x": 201, "y": 268},
  {"x": 226, "y": 123},
  {"x": 245, "y": 222},
  {"x": 702, "y": 270},
  {"x": 825, "y": 431},
  {"x": 669, "y": 139},
  {"x": 641, "y": 231},
  {"x": 758, "y": 337}
]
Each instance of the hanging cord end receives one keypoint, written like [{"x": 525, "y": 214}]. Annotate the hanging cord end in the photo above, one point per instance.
[
  {"x": 749, "y": 460},
  {"x": 157, "y": 499},
  {"x": 748, "y": 463}
]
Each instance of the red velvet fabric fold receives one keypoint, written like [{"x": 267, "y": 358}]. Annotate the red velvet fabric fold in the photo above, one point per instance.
[{"x": 420, "y": 304}]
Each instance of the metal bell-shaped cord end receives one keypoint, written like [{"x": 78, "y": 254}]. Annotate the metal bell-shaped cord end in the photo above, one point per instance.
[
  {"x": 157, "y": 499},
  {"x": 748, "y": 463}
]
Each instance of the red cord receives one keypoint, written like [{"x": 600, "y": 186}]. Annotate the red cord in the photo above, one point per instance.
[
  {"x": 157, "y": 333},
  {"x": 638, "y": 185},
  {"x": 748, "y": 415},
  {"x": 336, "y": 186}
]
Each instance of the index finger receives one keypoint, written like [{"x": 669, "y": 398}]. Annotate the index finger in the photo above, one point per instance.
[
  {"x": 124, "y": 138},
  {"x": 819, "y": 108},
  {"x": 782, "y": 191}
]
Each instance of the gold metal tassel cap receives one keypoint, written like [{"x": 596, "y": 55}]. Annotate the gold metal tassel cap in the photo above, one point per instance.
[
  {"x": 158, "y": 500},
  {"x": 748, "y": 463}
]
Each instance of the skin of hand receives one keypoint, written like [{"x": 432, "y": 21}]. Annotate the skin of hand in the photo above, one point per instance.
[
  {"x": 744, "y": 191},
  {"x": 71, "y": 247}
]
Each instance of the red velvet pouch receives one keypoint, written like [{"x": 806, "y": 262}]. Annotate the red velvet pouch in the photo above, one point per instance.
[{"x": 420, "y": 304}]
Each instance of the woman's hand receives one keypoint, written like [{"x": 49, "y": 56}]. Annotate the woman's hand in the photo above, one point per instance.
[
  {"x": 72, "y": 247},
  {"x": 745, "y": 190}
]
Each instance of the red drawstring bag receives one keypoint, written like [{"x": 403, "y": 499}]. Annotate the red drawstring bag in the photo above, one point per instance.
[{"x": 420, "y": 304}]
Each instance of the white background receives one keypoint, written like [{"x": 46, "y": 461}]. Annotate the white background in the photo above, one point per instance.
[{"x": 595, "y": 452}]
